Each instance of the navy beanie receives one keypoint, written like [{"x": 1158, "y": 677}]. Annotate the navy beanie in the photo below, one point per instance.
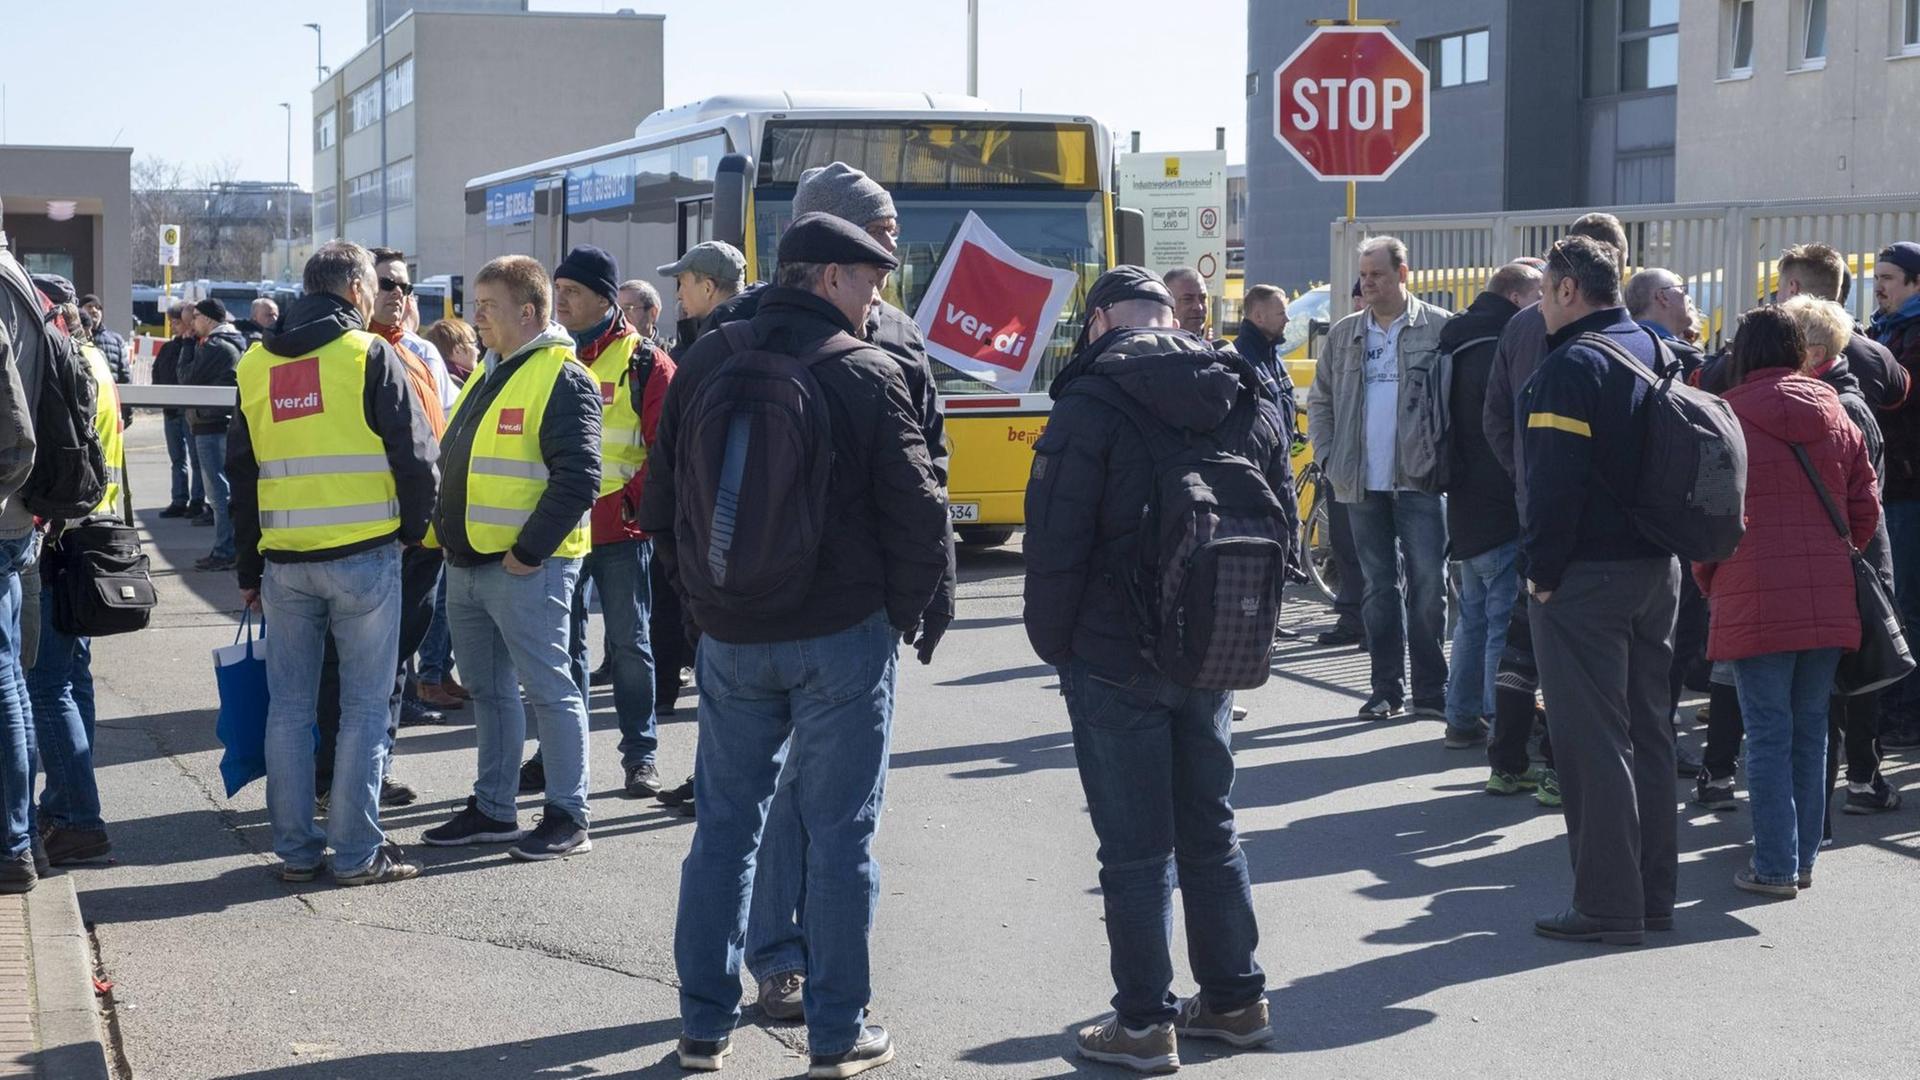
[{"x": 594, "y": 268}]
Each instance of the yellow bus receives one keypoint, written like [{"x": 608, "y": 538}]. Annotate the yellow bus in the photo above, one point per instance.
[{"x": 726, "y": 168}]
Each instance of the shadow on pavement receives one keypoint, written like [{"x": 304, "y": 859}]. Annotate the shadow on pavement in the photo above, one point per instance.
[{"x": 550, "y": 1056}]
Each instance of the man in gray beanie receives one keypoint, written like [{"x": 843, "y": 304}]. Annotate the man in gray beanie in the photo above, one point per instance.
[{"x": 850, "y": 195}]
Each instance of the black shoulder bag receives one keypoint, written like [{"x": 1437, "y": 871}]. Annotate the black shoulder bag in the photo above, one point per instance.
[{"x": 1883, "y": 657}]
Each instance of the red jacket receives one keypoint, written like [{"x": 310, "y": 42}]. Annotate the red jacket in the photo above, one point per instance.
[
  {"x": 612, "y": 518},
  {"x": 1789, "y": 586}
]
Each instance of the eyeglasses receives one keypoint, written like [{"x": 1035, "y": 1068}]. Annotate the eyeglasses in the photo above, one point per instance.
[{"x": 404, "y": 288}]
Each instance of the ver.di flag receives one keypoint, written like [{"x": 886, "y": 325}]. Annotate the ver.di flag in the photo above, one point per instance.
[{"x": 990, "y": 311}]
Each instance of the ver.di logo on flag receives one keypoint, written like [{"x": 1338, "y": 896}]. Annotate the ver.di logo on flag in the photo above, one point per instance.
[{"x": 990, "y": 311}]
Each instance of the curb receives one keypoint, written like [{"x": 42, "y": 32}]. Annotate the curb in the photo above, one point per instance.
[{"x": 65, "y": 1012}]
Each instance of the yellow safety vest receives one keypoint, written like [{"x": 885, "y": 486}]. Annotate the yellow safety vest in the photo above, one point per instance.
[
  {"x": 106, "y": 424},
  {"x": 506, "y": 475},
  {"x": 623, "y": 447},
  {"x": 324, "y": 477}
]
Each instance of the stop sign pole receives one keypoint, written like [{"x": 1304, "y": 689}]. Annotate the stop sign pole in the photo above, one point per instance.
[{"x": 1339, "y": 97}]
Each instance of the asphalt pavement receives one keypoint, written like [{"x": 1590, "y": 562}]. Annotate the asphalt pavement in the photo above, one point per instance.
[{"x": 1395, "y": 898}]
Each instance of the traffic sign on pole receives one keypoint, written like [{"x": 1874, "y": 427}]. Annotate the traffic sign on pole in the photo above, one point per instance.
[
  {"x": 169, "y": 245},
  {"x": 1351, "y": 103}
]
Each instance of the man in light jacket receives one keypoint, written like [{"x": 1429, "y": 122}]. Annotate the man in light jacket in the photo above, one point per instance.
[{"x": 1374, "y": 418}]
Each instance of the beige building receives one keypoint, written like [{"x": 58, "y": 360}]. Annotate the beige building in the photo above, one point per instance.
[
  {"x": 1785, "y": 99},
  {"x": 466, "y": 93}
]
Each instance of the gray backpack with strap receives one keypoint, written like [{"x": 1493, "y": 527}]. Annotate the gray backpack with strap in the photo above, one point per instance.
[{"x": 1692, "y": 492}]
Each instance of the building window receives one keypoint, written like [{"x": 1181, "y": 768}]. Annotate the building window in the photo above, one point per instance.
[
  {"x": 400, "y": 183},
  {"x": 1736, "y": 27},
  {"x": 363, "y": 195},
  {"x": 1907, "y": 21},
  {"x": 1457, "y": 59},
  {"x": 399, "y": 84},
  {"x": 1809, "y": 35},
  {"x": 325, "y": 212},
  {"x": 1649, "y": 44},
  {"x": 366, "y": 106},
  {"x": 324, "y": 130}
]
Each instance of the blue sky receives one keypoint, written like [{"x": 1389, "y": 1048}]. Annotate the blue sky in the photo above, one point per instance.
[{"x": 200, "y": 81}]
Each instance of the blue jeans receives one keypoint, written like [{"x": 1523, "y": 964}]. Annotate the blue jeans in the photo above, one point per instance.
[
  {"x": 1783, "y": 702},
  {"x": 776, "y": 944},
  {"x": 1391, "y": 528},
  {"x": 510, "y": 632},
  {"x": 436, "y": 650},
  {"x": 60, "y": 686},
  {"x": 212, "y": 448},
  {"x": 1157, "y": 767},
  {"x": 823, "y": 707},
  {"x": 1900, "y": 703},
  {"x": 1489, "y": 586},
  {"x": 357, "y": 600},
  {"x": 620, "y": 574},
  {"x": 16, "y": 714},
  {"x": 183, "y": 461}
]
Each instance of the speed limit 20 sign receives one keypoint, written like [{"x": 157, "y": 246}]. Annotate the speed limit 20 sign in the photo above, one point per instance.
[{"x": 1350, "y": 103}]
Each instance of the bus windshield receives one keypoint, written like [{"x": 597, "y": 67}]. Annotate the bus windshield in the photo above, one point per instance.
[{"x": 1061, "y": 229}]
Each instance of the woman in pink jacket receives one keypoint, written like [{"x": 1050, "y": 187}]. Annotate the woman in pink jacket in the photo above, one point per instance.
[{"x": 1783, "y": 605}]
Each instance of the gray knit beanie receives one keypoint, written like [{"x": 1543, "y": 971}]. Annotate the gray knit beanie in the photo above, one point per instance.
[{"x": 843, "y": 191}]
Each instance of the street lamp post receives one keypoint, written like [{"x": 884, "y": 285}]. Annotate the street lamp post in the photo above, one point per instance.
[
  {"x": 319, "y": 55},
  {"x": 288, "y": 274}
]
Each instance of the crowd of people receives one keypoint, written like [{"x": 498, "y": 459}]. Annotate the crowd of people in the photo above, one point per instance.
[{"x": 765, "y": 501}]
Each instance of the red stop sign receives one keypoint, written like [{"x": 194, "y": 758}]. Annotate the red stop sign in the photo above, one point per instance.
[{"x": 1351, "y": 103}]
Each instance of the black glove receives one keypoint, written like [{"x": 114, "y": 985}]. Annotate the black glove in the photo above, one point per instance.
[{"x": 933, "y": 627}]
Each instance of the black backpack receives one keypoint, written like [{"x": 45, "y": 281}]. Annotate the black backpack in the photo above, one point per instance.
[
  {"x": 755, "y": 458},
  {"x": 69, "y": 476},
  {"x": 98, "y": 575},
  {"x": 1212, "y": 550},
  {"x": 1692, "y": 488}
]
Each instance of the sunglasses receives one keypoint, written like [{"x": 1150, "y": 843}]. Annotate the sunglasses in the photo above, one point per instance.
[{"x": 387, "y": 284}]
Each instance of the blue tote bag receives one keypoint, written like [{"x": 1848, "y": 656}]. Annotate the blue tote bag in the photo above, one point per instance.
[{"x": 241, "y": 672}]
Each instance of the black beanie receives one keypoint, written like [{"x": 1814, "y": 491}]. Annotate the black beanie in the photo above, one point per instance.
[
  {"x": 212, "y": 309},
  {"x": 592, "y": 267},
  {"x": 1119, "y": 284}
]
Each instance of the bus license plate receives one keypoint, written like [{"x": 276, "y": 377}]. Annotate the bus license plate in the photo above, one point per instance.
[{"x": 963, "y": 512}]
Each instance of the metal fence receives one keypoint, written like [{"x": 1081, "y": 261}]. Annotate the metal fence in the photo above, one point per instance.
[{"x": 1724, "y": 251}]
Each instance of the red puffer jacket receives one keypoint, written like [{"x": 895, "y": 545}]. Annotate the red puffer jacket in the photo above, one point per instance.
[{"x": 1789, "y": 586}]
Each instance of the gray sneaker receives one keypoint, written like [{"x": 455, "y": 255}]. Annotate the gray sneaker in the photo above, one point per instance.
[
  {"x": 1244, "y": 1027},
  {"x": 781, "y": 996},
  {"x": 387, "y": 865},
  {"x": 1150, "y": 1051}
]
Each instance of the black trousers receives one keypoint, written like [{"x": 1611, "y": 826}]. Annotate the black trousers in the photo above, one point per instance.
[
  {"x": 1605, "y": 645},
  {"x": 1513, "y": 699},
  {"x": 667, "y": 628},
  {"x": 419, "y": 576},
  {"x": 1346, "y": 557},
  {"x": 1689, "y": 638}
]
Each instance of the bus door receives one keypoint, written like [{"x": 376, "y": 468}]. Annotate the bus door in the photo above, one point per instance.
[{"x": 696, "y": 222}]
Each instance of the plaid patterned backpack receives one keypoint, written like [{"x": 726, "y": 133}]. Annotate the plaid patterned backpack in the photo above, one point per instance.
[{"x": 1212, "y": 550}]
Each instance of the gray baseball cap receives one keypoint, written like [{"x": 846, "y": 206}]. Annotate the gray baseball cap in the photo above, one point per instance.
[{"x": 716, "y": 259}]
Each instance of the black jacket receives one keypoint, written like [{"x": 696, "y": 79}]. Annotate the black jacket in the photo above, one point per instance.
[
  {"x": 884, "y": 545},
  {"x": 392, "y": 411},
  {"x": 114, "y": 348},
  {"x": 1092, "y": 474},
  {"x": 569, "y": 445},
  {"x": 1838, "y": 373},
  {"x": 1481, "y": 512},
  {"x": 1580, "y": 416},
  {"x": 1275, "y": 382},
  {"x": 213, "y": 363},
  {"x": 166, "y": 366},
  {"x": 899, "y": 337}
]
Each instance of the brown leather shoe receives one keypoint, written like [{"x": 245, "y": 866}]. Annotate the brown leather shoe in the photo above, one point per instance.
[
  {"x": 454, "y": 688},
  {"x": 436, "y": 695}
]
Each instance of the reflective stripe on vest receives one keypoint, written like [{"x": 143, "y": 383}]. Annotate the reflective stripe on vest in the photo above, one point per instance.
[
  {"x": 324, "y": 477},
  {"x": 623, "y": 449},
  {"x": 106, "y": 424},
  {"x": 506, "y": 474}
]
